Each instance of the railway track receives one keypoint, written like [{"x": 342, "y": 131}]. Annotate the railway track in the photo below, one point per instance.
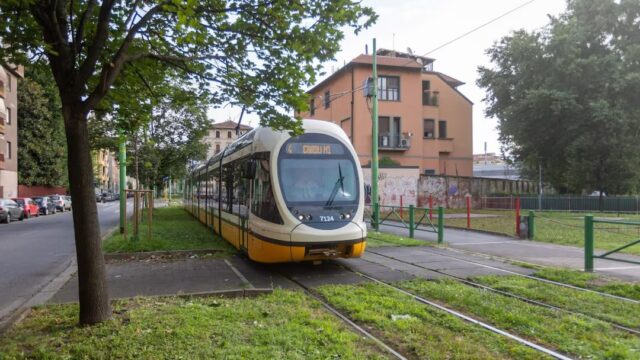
[
  {"x": 506, "y": 293},
  {"x": 569, "y": 286},
  {"x": 346, "y": 319},
  {"x": 426, "y": 302}
]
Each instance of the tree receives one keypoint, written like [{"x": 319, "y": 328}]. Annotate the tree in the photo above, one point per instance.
[
  {"x": 258, "y": 53},
  {"x": 42, "y": 150},
  {"x": 565, "y": 96}
]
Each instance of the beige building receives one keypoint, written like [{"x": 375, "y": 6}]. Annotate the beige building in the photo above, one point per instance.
[
  {"x": 106, "y": 170},
  {"x": 222, "y": 134},
  {"x": 9, "y": 130},
  {"x": 423, "y": 120}
]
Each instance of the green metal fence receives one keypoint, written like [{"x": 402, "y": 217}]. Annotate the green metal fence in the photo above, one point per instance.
[
  {"x": 411, "y": 218},
  {"x": 589, "y": 240}
]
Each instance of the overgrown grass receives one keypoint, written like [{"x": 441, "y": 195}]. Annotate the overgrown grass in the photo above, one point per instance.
[
  {"x": 574, "y": 335},
  {"x": 172, "y": 229},
  {"x": 594, "y": 305},
  {"x": 283, "y": 325},
  {"x": 420, "y": 331},
  {"x": 378, "y": 239},
  {"x": 591, "y": 281}
]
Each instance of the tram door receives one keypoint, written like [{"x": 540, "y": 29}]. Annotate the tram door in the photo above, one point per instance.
[{"x": 244, "y": 201}]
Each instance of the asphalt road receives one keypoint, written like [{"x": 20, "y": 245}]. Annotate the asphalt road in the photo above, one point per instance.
[{"x": 35, "y": 251}]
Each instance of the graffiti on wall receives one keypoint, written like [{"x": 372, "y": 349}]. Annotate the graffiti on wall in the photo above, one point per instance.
[{"x": 395, "y": 185}]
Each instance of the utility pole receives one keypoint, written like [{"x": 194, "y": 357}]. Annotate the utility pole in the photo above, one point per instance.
[
  {"x": 374, "y": 143},
  {"x": 122, "y": 159}
]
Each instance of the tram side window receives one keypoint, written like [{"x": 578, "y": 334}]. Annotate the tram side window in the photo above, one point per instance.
[
  {"x": 215, "y": 183},
  {"x": 227, "y": 191},
  {"x": 240, "y": 189},
  {"x": 264, "y": 205}
]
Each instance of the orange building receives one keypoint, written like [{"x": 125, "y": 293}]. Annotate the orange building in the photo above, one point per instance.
[{"x": 423, "y": 120}]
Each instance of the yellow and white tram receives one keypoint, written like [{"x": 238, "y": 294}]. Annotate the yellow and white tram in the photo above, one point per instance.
[{"x": 281, "y": 198}]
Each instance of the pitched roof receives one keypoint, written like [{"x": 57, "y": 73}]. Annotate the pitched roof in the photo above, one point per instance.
[{"x": 230, "y": 124}]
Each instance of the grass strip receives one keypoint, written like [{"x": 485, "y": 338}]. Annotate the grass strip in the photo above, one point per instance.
[
  {"x": 378, "y": 239},
  {"x": 172, "y": 229},
  {"x": 591, "y": 281},
  {"x": 594, "y": 305},
  {"x": 283, "y": 325},
  {"x": 418, "y": 330},
  {"x": 574, "y": 335}
]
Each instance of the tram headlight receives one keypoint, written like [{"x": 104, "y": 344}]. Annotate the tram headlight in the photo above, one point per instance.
[
  {"x": 301, "y": 217},
  {"x": 309, "y": 217}
]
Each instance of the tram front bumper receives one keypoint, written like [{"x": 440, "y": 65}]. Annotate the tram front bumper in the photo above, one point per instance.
[{"x": 308, "y": 243}]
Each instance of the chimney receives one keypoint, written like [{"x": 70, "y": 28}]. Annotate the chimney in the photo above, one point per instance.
[{"x": 366, "y": 49}]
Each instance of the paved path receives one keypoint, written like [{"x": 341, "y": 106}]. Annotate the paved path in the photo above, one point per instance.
[
  {"x": 35, "y": 251},
  {"x": 534, "y": 252}
]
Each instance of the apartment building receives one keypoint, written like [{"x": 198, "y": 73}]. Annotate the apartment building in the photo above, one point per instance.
[
  {"x": 9, "y": 130},
  {"x": 424, "y": 121},
  {"x": 222, "y": 134},
  {"x": 106, "y": 171}
]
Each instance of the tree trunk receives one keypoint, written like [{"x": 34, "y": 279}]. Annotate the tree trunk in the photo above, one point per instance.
[{"x": 92, "y": 285}]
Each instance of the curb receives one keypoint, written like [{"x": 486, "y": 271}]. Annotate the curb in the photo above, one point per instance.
[{"x": 159, "y": 254}]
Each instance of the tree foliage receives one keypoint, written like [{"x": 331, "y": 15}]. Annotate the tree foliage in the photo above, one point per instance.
[
  {"x": 255, "y": 53},
  {"x": 566, "y": 96},
  {"x": 42, "y": 152}
]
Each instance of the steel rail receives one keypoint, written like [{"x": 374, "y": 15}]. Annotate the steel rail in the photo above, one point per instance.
[
  {"x": 537, "y": 278},
  {"x": 467, "y": 318},
  {"x": 345, "y": 318},
  {"x": 506, "y": 293}
]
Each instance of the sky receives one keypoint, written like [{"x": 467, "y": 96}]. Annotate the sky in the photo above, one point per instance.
[{"x": 424, "y": 25}]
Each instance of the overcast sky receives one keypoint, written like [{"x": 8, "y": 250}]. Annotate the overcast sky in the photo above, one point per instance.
[{"x": 424, "y": 25}]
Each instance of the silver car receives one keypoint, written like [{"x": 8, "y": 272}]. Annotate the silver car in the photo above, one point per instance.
[{"x": 10, "y": 210}]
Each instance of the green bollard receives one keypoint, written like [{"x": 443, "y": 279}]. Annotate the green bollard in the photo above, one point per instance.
[
  {"x": 411, "y": 221},
  {"x": 440, "y": 224},
  {"x": 588, "y": 243},
  {"x": 531, "y": 225}
]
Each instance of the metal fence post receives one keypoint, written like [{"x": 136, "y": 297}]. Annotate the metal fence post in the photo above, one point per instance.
[
  {"x": 411, "y": 221},
  {"x": 532, "y": 225},
  {"x": 588, "y": 243},
  {"x": 376, "y": 213},
  {"x": 440, "y": 224}
]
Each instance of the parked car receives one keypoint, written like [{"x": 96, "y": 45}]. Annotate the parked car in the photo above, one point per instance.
[
  {"x": 69, "y": 201},
  {"x": 61, "y": 202},
  {"x": 29, "y": 206},
  {"x": 46, "y": 205},
  {"x": 10, "y": 210}
]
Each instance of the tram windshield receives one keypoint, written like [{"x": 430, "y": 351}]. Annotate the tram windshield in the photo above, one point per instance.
[
  {"x": 325, "y": 181},
  {"x": 316, "y": 169}
]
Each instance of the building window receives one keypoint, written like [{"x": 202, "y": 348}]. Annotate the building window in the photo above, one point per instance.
[
  {"x": 429, "y": 129},
  {"x": 312, "y": 107},
  {"x": 8, "y": 82},
  {"x": 1, "y": 120},
  {"x": 228, "y": 134},
  {"x": 426, "y": 92},
  {"x": 8, "y": 116},
  {"x": 442, "y": 129},
  {"x": 217, "y": 148},
  {"x": 1, "y": 85},
  {"x": 327, "y": 99},
  {"x": 217, "y": 134},
  {"x": 389, "y": 88},
  {"x": 9, "y": 155}
]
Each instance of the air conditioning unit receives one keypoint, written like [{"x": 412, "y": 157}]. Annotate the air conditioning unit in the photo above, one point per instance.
[{"x": 404, "y": 143}]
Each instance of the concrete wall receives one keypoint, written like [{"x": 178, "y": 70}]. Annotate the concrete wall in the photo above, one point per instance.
[
  {"x": 393, "y": 184},
  {"x": 451, "y": 191}
]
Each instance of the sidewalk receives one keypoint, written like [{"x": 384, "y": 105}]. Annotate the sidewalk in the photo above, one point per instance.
[{"x": 540, "y": 253}]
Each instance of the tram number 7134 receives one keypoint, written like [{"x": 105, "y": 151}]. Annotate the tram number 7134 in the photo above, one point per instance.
[{"x": 326, "y": 218}]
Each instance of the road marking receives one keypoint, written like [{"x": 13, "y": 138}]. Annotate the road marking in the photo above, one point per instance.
[{"x": 482, "y": 243}]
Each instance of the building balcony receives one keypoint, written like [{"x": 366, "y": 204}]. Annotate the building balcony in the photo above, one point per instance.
[
  {"x": 445, "y": 145},
  {"x": 394, "y": 142}
]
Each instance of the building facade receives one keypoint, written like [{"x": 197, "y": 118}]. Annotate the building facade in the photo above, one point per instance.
[
  {"x": 222, "y": 134},
  {"x": 423, "y": 120},
  {"x": 9, "y": 130},
  {"x": 106, "y": 171}
]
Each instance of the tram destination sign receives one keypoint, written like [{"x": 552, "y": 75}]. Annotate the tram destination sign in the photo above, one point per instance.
[{"x": 314, "y": 149}]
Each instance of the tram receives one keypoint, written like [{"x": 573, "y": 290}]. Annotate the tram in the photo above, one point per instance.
[{"x": 280, "y": 198}]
